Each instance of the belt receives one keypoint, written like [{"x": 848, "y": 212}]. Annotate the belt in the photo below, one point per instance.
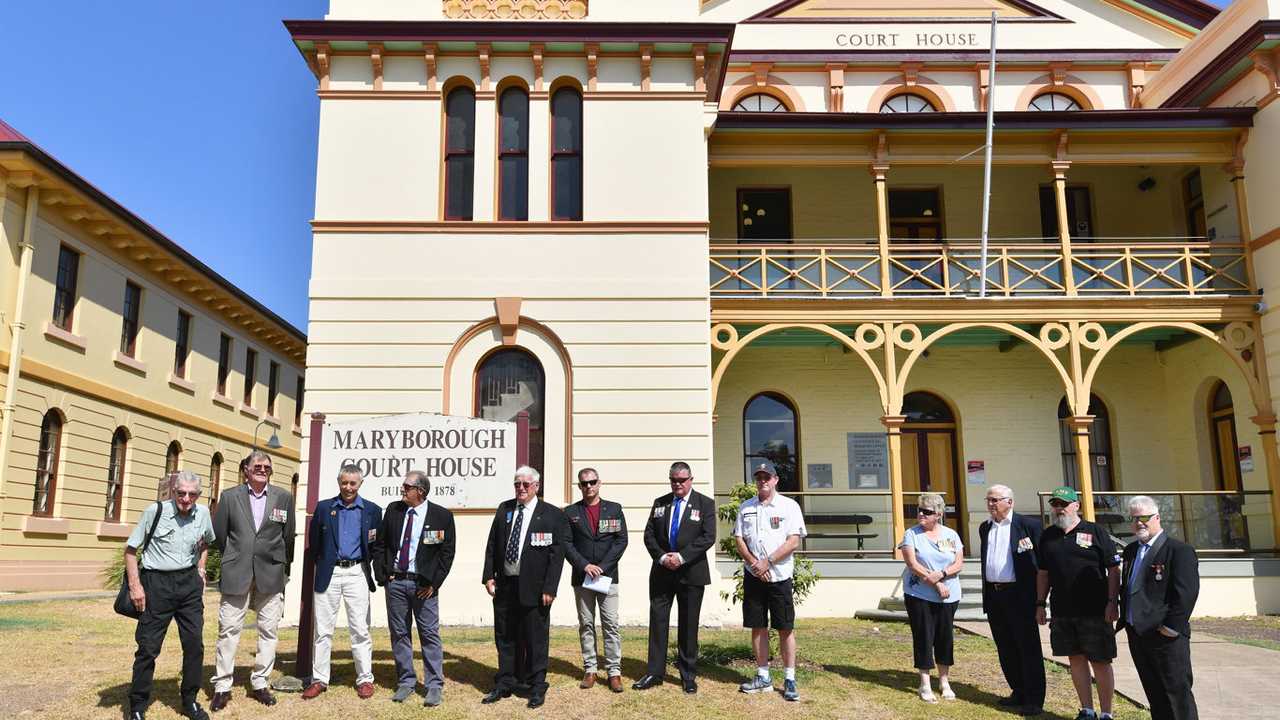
[
  {"x": 1001, "y": 585},
  {"x": 347, "y": 563},
  {"x": 167, "y": 572},
  {"x": 402, "y": 576}
]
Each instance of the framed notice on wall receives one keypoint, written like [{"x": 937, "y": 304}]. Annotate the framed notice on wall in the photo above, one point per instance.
[
  {"x": 868, "y": 460},
  {"x": 819, "y": 475}
]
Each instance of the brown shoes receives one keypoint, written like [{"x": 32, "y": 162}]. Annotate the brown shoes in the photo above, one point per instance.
[
  {"x": 313, "y": 690},
  {"x": 263, "y": 696},
  {"x": 365, "y": 690},
  {"x": 220, "y": 700},
  {"x": 588, "y": 681},
  {"x": 615, "y": 683}
]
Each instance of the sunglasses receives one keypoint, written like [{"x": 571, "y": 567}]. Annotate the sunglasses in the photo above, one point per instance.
[
  {"x": 1143, "y": 518},
  {"x": 588, "y": 483},
  {"x": 926, "y": 512},
  {"x": 187, "y": 493},
  {"x": 406, "y": 488},
  {"x": 261, "y": 469},
  {"x": 522, "y": 484},
  {"x": 680, "y": 481},
  {"x": 1058, "y": 504}
]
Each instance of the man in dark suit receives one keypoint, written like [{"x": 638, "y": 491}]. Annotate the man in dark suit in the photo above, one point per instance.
[
  {"x": 1009, "y": 569},
  {"x": 680, "y": 531},
  {"x": 412, "y": 555},
  {"x": 1161, "y": 583},
  {"x": 522, "y": 566},
  {"x": 599, "y": 537},
  {"x": 254, "y": 529},
  {"x": 340, "y": 533}
]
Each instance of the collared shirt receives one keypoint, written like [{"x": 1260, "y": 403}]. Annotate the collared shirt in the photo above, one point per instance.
[
  {"x": 765, "y": 527},
  {"x": 1000, "y": 551},
  {"x": 257, "y": 504},
  {"x": 933, "y": 555},
  {"x": 350, "y": 519},
  {"x": 415, "y": 535},
  {"x": 1078, "y": 563},
  {"x": 514, "y": 568},
  {"x": 175, "y": 545},
  {"x": 1135, "y": 574}
]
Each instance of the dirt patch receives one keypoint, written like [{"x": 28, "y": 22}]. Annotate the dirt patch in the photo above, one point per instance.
[{"x": 1260, "y": 630}]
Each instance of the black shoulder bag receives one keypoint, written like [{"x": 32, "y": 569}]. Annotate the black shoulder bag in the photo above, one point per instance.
[{"x": 124, "y": 604}]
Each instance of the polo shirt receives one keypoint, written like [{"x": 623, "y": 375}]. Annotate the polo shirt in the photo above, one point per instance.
[
  {"x": 933, "y": 556},
  {"x": 764, "y": 527},
  {"x": 175, "y": 545},
  {"x": 1077, "y": 563}
]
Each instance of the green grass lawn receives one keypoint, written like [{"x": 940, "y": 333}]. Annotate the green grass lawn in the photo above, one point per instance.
[{"x": 73, "y": 658}]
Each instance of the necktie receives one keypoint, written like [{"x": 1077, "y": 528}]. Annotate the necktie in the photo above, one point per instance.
[
  {"x": 1134, "y": 575},
  {"x": 402, "y": 561},
  {"x": 675, "y": 525},
  {"x": 513, "y": 542}
]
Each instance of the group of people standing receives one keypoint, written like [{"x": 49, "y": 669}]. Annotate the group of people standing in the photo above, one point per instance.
[{"x": 1070, "y": 576}]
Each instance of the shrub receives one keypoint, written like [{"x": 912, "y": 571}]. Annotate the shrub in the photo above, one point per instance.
[{"x": 113, "y": 574}]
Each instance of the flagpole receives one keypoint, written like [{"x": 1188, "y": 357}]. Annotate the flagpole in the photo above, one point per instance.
[{"x": 986, "y": 164}]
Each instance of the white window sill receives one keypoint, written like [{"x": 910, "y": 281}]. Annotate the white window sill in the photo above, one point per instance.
[
  {"x": 224, "y": 401},
  {"x": 32, "y": 525},
  {"x": 128, "y": 363},
  {"x": 250, "y": 412},
  {"x": 118, "y": 531},
  {"x": 182, "y": 384},
  {"x": 57, "y": 334}
]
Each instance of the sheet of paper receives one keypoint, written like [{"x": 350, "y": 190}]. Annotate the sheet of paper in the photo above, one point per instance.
[{"x": 600, "y": 584}]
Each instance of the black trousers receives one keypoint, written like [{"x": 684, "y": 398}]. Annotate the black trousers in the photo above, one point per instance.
[
  {"x": 933, "y": 632},
  {"x": 1012, "y": 617},
  {"x": 179, "y": 596},
  {"x": 1164, "y": 667},
  {"x": 688, "y": 599},
  {"x": 518, "y": 628}
]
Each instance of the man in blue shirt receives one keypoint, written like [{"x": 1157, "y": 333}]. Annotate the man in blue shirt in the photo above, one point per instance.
[{"x": 341, "y": 531}]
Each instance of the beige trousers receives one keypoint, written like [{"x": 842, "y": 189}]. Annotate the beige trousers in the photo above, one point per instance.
[{"x": 231, "y": 612}]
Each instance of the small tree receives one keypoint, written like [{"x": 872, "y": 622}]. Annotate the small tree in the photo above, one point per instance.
[{"x": 804, "y": 577}]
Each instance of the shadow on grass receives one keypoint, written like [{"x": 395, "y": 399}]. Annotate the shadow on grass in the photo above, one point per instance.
[{"x": 907, "y": 682}]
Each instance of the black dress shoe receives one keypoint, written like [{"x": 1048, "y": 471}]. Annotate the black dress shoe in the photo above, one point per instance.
[
  {"x": 1012, "y": 701},
  {"x": 494, "y": 696},
  {"x": 536, "y": 700},
  {"x": 220, "y": 700},
  {"x": 690, "y": 685},
  {"x": 522, "y": 690},
  {"x": 646, "y": 682},
  {"x": 263, "y": 696},
  {"x": 135, "y": 715},
  {"x": 1031, "y": 710},
  {"x": 193, "y": 711}
]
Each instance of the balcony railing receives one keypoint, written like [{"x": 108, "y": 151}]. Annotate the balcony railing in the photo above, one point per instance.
[{"x": 1102, "y": 267}]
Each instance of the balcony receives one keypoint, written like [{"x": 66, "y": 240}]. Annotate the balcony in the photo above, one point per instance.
[{"x": 1016, "y": 267}]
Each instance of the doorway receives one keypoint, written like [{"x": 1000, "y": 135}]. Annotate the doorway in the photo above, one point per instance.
[{"x": 930, "y": 458}]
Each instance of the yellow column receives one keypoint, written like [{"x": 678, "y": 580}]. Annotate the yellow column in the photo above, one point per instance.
[
  {"x": 1242, "y": 216},
  {"x": 893, "y": 428},
  {"x": 879, "y": 171},
  {"x": 1080, "y": 425},
  {"x": 17, "y": 325},
  {"x": 1267, "y": 434},
  {"x": 1064, "y": 225}
]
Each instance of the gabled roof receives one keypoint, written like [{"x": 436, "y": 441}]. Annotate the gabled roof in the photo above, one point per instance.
[
  {"x": 1192, "y": 13},
  {"x": 9, "y": 134}
]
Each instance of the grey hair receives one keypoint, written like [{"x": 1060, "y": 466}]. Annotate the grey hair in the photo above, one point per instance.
[
  {"x": 350, "y": 469},
  {"x": 253, "y": 457},
  {"x": 528, "y": 472},
  {"x": 1004, "y": 490},
  {"x": 419, "y": 480},
  {"x": 934, "y": 502},
  {"x": 1143, "y": 502},
  {"x": 183, "y": 476}
]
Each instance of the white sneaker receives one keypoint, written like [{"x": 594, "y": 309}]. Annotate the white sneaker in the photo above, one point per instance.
[
  {"x": 757, "y": 684},
  {"x": 926, "y": 694},
  {"x": 948, "y": 693}
]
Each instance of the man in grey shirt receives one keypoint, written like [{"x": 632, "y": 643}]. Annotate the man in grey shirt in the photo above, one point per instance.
[{"x": 167, "y": 583}]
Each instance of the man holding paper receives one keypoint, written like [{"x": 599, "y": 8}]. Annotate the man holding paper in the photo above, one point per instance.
[{"x": 599, "y": 533}]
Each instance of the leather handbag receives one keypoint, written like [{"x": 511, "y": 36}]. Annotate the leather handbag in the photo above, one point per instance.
[{"x": 124, "y": 604}]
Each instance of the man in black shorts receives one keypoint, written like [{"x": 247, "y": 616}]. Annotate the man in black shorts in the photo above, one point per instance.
[
  {"x": 768, "y": 531},
  {"x": 1080, "y": 566}
]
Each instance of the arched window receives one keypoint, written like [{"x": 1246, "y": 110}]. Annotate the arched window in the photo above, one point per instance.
[
  {"x": 459, "y": 153},
  {"x": 47, "y": 463},
  {"x": 115, "y": 475},
  {"x": 1054, "y": 101},
  {"x": 215, "y": 481},
  {"x": 1099, "y": 446},
  {"x": 566, "y": 154},
  {"x": 172, "y": 459},
  {"x": 293, "y": 487},
  {"x": 1222, "y": 419},
  {"x": 508, "y": 381},
  {"x": 513, "y": 154},
  {"x": 770, "y": 431},
  {"x": 907, "y": 103},
  {"x": 925, "y": 407},
  {"x": 760, "y": 102}
]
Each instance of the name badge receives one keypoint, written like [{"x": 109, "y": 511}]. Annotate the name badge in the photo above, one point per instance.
[
  {"x": 1024, "y": 544},
  {"x": 278, "y": 515},
  {"x": 946, "y": 545},
  {"x": 695, "y": 516},
  {"x": 432, "y": 537},
  {"x": 660, "y": 511},
  {"x": 373, "y": 534},
  {"x": 508, "y": 517},
  {"x": 775, "y": 523},
  {"x": 540, "y": 539},
  {"x": 1084, "y": 540},
  {"x": 610, "y": 526}
]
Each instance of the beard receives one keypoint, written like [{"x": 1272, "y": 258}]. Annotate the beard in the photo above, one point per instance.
[
  {"x": 1064, "y": 521},
  {"x": 1142, "y": 535}
]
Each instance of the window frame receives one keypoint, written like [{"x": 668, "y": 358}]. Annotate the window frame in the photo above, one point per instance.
[
  {"x": 576, "y": 151},
  {"x": 932, "y": 108},
  {"x": 250, "y": 375},
  {"x": 66, "y": 282},
  {"x": 48, "y": 459},
  {"x": 520, "y": 154},
  {"x": 215, "y": 480},
  {"x": 738, "y": 105},
  {"x": 130, "y": 319},
  {"x": 115, "y": 475},
  {"x": 300, "y": 389},
  {"x": 537, "y": 435},
  {"x": 749, "y": 458},
  {"x": 172, "y": 458},
  {"x": 273, "y": 386},
  {"x": 182, "y": 344},
  {"x": 467, "y": 153},
  {"x": 1099, "y": 432},
  {"x": 225, "y": 348}
]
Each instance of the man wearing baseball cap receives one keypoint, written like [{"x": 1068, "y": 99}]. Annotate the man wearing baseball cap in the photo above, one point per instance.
[
  {"x": 1080, "y": 575},
  {"x": 768, "y": 531}
]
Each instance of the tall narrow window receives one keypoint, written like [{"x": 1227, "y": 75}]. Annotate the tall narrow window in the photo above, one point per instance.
[
  {"x": 1193, "y": 204},
  {"x": 297, "y": 402},
  {"x": 64, "y": 294},
  {"x": 273, "y": 386},
  {"x": 1100, "y": 468},
  {"x": 511, "y": 380},
  {"x": 293, "y": 487},
  {"x": 47, "y": 463},
  {"x": 770, "y": 432},
  {"x": 1222, "y": 418},
  {"x": 115, "y": 475},
  {"x": 172, "y": 459},
  {"x": 1079, "y": 212},
  {"x": 915, "y": 214},
  {"x": 129, "y": 319},
  {"x": 764, "y": 214},
  {"x": 224, "y": 363},
  {"x": 566, "y": 155},
  {"x": 513, "y": 155},
  {"x": 215, "y": 481},
  {"x": 182, "y": 345},
  {"x": 250, "y": 375},
  {"x": 459, "y": 153}
]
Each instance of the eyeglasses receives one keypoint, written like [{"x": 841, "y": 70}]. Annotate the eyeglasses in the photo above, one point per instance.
[
  {"x": 588, "y": 483},
  {"x": 995, "y": 501},
  {"x": 1143, "y": 518},
  {"x": 926, "y": 512},
  {"x": 1058, "y": 504},
  {"x": 522, "y": 484},
  {"x": 187, "y": 493},
  {"x": 261, "y": 469},
  {"x": 406, "y": 488},
  {"x": 679, "y": 480}
]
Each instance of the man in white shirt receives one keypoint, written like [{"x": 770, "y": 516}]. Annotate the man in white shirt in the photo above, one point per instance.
[{"x": 768, "y": 531}]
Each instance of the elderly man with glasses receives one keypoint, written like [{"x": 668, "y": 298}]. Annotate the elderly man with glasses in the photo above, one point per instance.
[
  {"x": 522, "y": 566},
  {"x": 680, "y": 531},
  {"x": 599, "y": 537},
  {"x": 1161, "y": 584},
  {"x": 1009, "y": 570},
  {"x": 412, "y": 553},
  {"x": 254, "y": 526}
]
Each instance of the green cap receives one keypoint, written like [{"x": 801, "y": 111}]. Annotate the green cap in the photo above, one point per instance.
[{"x": 1065, "y": 494}]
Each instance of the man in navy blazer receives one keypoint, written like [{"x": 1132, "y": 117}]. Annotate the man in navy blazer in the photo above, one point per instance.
[
  {"x": 1009, "y": 569},
  {"x": 341, "y": 531}
]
